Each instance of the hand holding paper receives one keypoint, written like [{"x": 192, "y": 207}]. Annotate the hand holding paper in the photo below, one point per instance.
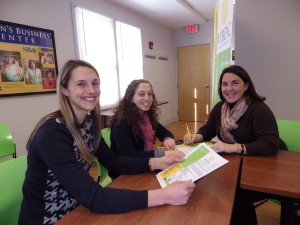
[
  {"x": 179, "y": 192},
  {"x": 201, "y": 161}
]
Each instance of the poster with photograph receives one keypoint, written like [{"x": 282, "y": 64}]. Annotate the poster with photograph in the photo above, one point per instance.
[{"x": 28, "y": 62}]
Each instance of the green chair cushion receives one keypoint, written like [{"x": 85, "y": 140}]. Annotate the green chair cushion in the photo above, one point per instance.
[
  {"x": 106, "y": 136},
  {"x": 289, "y": 132},
  {"x": 103, "y": 177},
  {"x": 7, "y": 145},
  {"x": 12, "y": 175}
]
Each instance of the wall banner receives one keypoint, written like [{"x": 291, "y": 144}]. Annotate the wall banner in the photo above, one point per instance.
[
  {"x": 28, "y": 62},
  {"x": 222, "y": 42}
]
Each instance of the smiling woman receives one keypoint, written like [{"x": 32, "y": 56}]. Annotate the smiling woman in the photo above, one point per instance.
[
  {"x": 66, "y": 143},
  {"x": 83, "y": 91},
  {"x": 244, "y": 124},
  {"x": 135, "y": 126},
  {"x": 233, "y": 87}
]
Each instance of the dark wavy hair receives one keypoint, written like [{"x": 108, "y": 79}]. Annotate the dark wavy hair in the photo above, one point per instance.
[
  {"x": 127, "y": 110},
  {"x": 250, "y": 94}
]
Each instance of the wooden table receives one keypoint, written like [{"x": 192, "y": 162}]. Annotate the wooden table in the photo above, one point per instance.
[
  {"x": 278, "y": 175},
  {"x": 211, "y": 202}
]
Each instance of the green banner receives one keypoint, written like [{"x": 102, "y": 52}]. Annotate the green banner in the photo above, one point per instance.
[
  {"x": 222, "y": 43},
  {"x": 222, "y": 60}
]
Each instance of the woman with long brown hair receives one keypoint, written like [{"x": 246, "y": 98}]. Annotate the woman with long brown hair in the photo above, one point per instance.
[{"x": 64, "y": 145}]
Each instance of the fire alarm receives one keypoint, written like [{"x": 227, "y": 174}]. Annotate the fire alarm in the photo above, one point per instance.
[{"x": 150, "y": 44}]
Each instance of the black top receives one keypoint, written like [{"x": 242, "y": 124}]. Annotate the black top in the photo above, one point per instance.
[
  {"x": 257, "y": 129},
  {"x": 57, "y": 179},
  {"x": 124, "y": 143}
]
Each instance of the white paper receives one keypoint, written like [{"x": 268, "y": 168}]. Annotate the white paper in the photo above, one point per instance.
[{"x": 199, "y": 161}]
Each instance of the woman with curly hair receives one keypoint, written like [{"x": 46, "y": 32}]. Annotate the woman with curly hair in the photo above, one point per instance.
[{"x": 135, "y": 126}]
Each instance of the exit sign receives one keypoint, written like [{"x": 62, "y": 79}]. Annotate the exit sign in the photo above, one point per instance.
[{"x": 192, "y": 28}]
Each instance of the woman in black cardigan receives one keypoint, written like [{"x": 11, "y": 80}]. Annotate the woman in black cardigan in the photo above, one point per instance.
[
  {"x": 135, "y": 126},
  {"x": 245, "y": 125}
]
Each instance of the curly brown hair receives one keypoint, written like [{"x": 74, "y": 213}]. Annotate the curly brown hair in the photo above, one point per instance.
[{"x": 127, "y": 110}]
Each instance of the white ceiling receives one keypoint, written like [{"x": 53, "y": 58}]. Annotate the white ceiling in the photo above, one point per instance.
[{"x": 172, "y": 13}]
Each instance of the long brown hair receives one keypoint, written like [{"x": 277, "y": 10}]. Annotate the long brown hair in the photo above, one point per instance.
[
  {"x": 67, "y": 115},
  {"x": 128, "y": 111}
]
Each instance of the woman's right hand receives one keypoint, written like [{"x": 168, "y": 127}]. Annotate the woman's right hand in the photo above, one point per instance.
[
  {"x": 177, "y": 193},
  {"x": 195, "y": 138}
]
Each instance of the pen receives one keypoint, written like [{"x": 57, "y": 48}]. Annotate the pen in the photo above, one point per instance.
[{"x": 188, "y": 130}]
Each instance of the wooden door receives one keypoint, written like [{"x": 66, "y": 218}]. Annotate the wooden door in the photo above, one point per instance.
[{"x": 193, "y": 67}]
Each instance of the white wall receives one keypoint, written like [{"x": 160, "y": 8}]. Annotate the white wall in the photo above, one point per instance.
[
  {"x": 203, "y": 36},
  {"x": 267, "y": 46},
  {"x": 22, "y": 113}
]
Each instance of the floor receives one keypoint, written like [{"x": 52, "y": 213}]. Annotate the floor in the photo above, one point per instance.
[{"x": 268, "y": 213}]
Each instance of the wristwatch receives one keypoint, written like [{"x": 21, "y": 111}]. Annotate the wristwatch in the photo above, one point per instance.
[{"x": 243, "y": 149}]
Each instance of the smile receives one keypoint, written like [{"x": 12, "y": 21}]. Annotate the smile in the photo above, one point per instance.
[
  {"x": 90, "y": 99},
  {"x": 231, "y": 94}
]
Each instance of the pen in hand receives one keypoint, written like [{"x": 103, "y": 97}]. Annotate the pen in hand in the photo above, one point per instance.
[{"x": 188, "y": 131}]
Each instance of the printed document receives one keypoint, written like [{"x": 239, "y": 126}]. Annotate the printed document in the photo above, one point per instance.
[{"x": 198, "y": 162}]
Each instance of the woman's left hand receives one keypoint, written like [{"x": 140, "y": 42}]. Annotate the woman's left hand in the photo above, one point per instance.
[
  {"x": 175, "y": 152},
  {"x": 166, "y": 161},
  {"x": 224, "y": 147},
  {"x": 169, "y": 144}
]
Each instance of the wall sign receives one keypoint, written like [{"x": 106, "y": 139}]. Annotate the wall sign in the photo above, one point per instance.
[
  {"x": 28, "y": 63},
  {"x": 192, "y": 29}
]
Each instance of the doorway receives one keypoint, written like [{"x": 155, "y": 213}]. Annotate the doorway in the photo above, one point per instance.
[{"x": 193, "y": 67}]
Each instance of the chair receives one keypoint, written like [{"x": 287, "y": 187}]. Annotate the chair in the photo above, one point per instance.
[
  {"x": 289, "y": 132},
  {"x": 106, "y": 136},
  {"x": 7, "y": 146},
  {"x": 103, "y": 177},
  {"x": 12, "y": 175}
]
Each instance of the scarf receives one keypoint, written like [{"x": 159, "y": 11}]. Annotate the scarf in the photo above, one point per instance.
[
  {"x": 148, "y": 132},
  {"x": 229, "y": 117}
]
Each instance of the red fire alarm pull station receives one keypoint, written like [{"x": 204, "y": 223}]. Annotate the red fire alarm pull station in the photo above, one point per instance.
[
  {"x": 192, "y": 28},
  {"x": 150, "y": 44}
]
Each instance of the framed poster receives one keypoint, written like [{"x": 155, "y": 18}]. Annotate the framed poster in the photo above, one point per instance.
[{"x": 28, "y": 63}]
